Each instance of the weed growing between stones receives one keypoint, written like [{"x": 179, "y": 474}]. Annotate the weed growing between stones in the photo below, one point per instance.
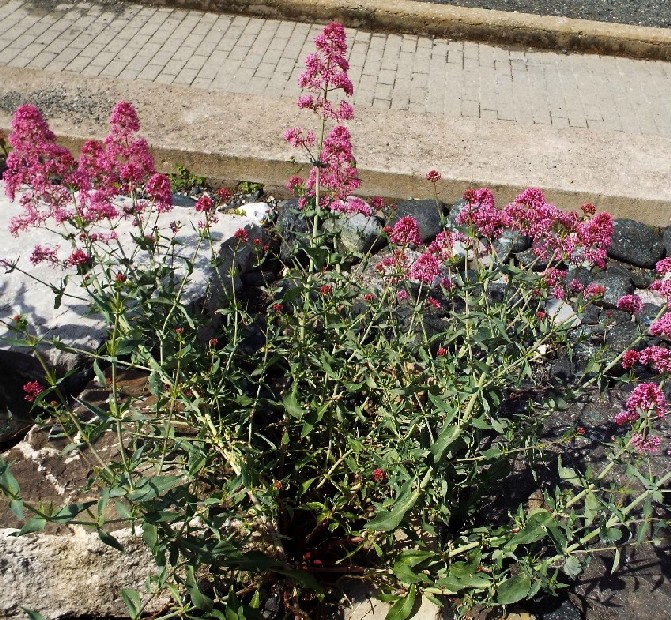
[{"x": 361, "y": 419}]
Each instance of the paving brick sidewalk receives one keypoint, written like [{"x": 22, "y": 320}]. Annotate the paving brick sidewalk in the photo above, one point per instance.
[{"x": 403, "y": 72}]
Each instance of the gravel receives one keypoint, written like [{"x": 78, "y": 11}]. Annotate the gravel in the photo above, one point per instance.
[
  {"x": 76, "y": 104},
  {"x": 655, "y": 13}
]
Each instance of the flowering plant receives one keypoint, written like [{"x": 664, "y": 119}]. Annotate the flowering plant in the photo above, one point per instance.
[{"x": 360, "y": 418}]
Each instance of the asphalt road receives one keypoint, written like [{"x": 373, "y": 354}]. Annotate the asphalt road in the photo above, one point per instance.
[{"x": 656, "y": 13}]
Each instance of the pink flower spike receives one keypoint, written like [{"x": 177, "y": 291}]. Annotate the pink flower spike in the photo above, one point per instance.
[
  {"x": 32, "y": 389},
  {"x": 124, "y": 118},
  {"x": 645, "y": 397},
  {"x": 658, "y": 357},
  {"x": 662, "y": 326},
  {"x": 406, "y": 232},
  {"x": 241, "y": 235},
  {"x": 79, "y": 258},
  {"x": 644, "y": 444},
  {"x": 352, "y": 205},
  {"x": 43, "y": 254},
  {"x": 158, "y": 188},
  {"x": 433, "y": 176},
  {"x": 663, "y": 266},
  {"x": 204, "y": 204},
  {"x": 379, "y": 475},
  {"x": 594, "y": 291},
  {"x": 425, "y": 269},
  {"x": 481, "y": 213},
  {"x": 306, "y": 102},
  {"x": 630, "y": 303},
  {"x": 629, "y": 358}
]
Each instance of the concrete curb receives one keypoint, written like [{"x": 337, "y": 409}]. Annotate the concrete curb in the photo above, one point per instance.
[
  {"x": 219, "y": 135},
  {"x": 482, "y": 25}
]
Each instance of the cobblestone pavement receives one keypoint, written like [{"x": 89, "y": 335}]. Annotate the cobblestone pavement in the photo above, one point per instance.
[{"x": 390, "y": 71}]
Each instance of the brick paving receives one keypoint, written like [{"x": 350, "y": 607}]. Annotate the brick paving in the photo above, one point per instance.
[{"x": 424, "y": 75}]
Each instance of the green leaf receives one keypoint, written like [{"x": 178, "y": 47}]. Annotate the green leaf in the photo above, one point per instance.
[
  {"x": 149, "y": 534},
  {"x": 616, "y": 561},
  {"x": 534, "y": 529},
  {"x": 405, "y": 573},
  {"x": 514, "y": 589},
  {"x": 611, "y": 534},
  {"x": 572, "y": 566},
  {"x": 69, "y": 512},
  {"x": 591, "y": 508},
  {"x": 36, "y": 524},
  {"x": 33, "y": 615},
  {"x": 122, "y": 510},
  {"x": 402, "y": 608},
  {"x": 447, "y": 436},
  {"x": 131, "y": 599},
  {"x": 108, "y": 539},
  {"x": 291, "y": 405},
  {"x": 200, "y": 601},
  {"x": 7, "y": 481},
  {"x": 387, "y": 520},
  {"x": 568, "y": 474},
  {"x": 457, "y": 582},
  {"x": 16, "y": 506},
  {"x": 100, "y": 376}
]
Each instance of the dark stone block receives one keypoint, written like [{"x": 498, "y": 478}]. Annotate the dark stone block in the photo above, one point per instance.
[
  {"x": 430, "y": 217},
  {"x": 636, "y": 243},
  {"x": 617, "y": 282}
]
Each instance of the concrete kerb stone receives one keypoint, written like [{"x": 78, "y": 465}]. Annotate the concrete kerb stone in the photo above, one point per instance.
[
  {"x": 219, "y": 135},
  {"x": 482, "y": 25}
]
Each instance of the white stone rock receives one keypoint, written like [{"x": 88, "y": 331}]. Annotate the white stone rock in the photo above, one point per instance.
[
  {"x": 72, "y": 574},
  {"x": 260, "y": 212},
  {"x": 562, "y": 313},
  {"x": 22, "y": 294},
  {"x": 360, "y": 604},
  {"x": 651, "y": 297}
]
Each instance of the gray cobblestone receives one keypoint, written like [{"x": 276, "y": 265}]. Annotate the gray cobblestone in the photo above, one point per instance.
[{"x": 390, "y": 71}]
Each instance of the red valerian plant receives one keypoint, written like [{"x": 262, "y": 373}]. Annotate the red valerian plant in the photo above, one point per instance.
[{"x": 360, "y": 421}]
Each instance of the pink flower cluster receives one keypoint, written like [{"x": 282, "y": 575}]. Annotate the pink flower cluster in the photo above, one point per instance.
[
  {"x": 657, "y": 357},
  {"x": 481, "y": 213},
  {"x": 556, "y": 235},
  {"x": 642, "y": 443},
  {"x": 37, "y": 161},
  {"x": 405, "y": 232},
  {"x": 663, "y": 286},
  {"x": 425, "y": 269},
  {"x": 120, "y": 164},
  {"x": 333, "y": 176},
  {"x": 662, "y": 326},
  {"x": 60, "y": 190},
  {"x": 630, "y": 303},
  {"x": 32, "y": 389},
  {"x": 594, "y": 291},
  {"x": 325, "y": 72},
  {"x": 644, "y": 398},
  {"x": 442, "y": 246}
]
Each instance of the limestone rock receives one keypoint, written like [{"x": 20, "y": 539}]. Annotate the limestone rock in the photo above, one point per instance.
[
  {"x": 72, "y": 574},
  {"x": 71, "y": 321}
]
